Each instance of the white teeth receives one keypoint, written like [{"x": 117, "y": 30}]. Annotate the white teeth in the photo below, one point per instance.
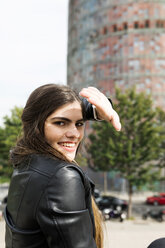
[{"x": 68, "y": 144}]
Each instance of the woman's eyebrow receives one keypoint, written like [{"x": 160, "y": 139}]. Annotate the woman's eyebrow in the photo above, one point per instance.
[{"x": 64, "y": 119}]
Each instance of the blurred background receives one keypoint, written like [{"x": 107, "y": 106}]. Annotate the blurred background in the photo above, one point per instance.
[{"x": 117, "y": 46}]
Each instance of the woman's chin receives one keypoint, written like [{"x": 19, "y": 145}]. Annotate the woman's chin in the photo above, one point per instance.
[{"x": 70, "y": 156}]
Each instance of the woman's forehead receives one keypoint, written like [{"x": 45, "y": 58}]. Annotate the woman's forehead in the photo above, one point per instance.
[{"x": 72, "y": 110}]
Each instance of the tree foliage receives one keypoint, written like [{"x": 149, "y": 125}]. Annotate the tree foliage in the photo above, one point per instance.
[
  {"x": 9, "y": 134},
  {"x": 161, "y": 121},
  {"x": 134, "y": 150},
  {"x": 81, "y": 160}
]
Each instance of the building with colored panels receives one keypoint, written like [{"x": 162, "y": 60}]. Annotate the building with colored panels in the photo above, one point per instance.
[{"x": 117, "y": 43}]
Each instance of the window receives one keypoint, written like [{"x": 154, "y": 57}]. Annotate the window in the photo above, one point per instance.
[
  {"x": 147, "y": 81},
  {"x": 134, "y": 65},
  {"x": 136, "y": 25},
  {"x": 159, "y": 87},
  {"x": 115, "y": 47},
  {"x": 125, "y": 26},
  {"x": 130, "y": 50},
  {"x": 105, "y": 30},
  {"x": 120, "y": 82},
  {"x": 157, "y": 48},
  {"x": 147, "y": 24},
  {"x": 159, "y": 24},
  {"x": 148, "y": 91},
  {"x": 160, "y": 64},
  {"x": 141, "y": 45},
  {"x": 156, "y": 12},
  {"x": 146, "y": 13},
  {"x": 115, "y": 28}
]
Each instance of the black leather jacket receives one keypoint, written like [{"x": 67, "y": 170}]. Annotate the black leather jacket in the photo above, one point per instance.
[{"x": 49, "y": 204}]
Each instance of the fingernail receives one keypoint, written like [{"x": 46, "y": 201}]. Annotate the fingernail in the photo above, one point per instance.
[{"x": 119, "y": 128}]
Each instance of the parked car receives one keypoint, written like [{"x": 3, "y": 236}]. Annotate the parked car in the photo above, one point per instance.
[
  {"x": 97, "y": 195},
  {"x": 158, "y": 214},
  {"x": 156, "y": 199},
  {"x": 113, "y": 203}
]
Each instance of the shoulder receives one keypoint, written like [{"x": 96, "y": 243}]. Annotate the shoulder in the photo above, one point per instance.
[
  {"x": 66, "y": 188},
  {"x": 47, "y": 165},
  {"x": 56, "y": 168},
  {"x": 70, "y": 176}
]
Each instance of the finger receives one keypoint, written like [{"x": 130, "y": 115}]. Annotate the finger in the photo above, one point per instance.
[
  {"x": 94, "y": 89},
  {"x": 97, "y": 92},
  {"x": 115, "y": 120},
  {"x": 86, "y": 92},
  {"x": 94, "y": 100},
  {"x": 94, "y": 96}
]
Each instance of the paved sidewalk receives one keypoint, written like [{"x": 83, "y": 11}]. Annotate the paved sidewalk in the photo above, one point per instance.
[
  {"x": 129, "y": 234},
  {"x": 133, "y": 234},
  {"x": 2, "y": 234}
]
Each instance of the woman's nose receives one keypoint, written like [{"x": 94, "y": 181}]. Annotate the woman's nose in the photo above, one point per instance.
[{"x": 73, "y": 132}]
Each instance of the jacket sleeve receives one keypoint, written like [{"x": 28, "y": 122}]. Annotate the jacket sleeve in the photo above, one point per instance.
[{"x": 62, "y": 213}]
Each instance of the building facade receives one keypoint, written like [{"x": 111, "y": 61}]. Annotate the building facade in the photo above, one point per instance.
[{"x": 117, "y": 43}]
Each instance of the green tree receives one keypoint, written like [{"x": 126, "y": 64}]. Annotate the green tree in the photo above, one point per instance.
[
  {"x": 9, "y": 134},
  {"x": 134, "y": 150},
  {"x": 81, "y": 160},
  {"x": 161, "y": 121}
]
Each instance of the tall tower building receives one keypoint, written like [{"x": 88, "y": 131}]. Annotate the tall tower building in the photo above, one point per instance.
[{"x": 117, "y": 43}]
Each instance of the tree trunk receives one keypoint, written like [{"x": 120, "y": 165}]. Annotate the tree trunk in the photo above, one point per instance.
[
  {"x": 130, "y": 192},
  {"x": 105, "y": 182}
]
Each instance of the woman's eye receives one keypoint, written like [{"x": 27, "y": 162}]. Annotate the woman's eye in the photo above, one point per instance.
[
  {"x": 80, "y": 124},
  {"x": 59, "y": 123}
]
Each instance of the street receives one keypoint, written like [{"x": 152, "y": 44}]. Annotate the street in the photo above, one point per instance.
[
  {"x": 129, "y": 234},
  {"x": 133, "y": 234}
]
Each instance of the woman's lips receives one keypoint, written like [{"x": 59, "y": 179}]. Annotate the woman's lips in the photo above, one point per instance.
[{"x": 68, "y": 146}]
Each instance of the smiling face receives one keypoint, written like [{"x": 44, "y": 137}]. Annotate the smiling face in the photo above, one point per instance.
[{"x": 64, "y": 129}]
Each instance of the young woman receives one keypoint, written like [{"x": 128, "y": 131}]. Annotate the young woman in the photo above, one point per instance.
[{"x": 50, "y": 200}]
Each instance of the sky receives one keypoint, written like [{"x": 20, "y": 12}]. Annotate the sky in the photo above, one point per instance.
[{"x": 33, "y": 48}]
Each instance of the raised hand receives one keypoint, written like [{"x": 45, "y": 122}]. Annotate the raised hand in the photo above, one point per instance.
[{"x": 103, "y": 106}]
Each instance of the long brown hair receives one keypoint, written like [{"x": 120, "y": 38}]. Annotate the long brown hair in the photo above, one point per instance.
[{"x": 42, "y": 102}]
